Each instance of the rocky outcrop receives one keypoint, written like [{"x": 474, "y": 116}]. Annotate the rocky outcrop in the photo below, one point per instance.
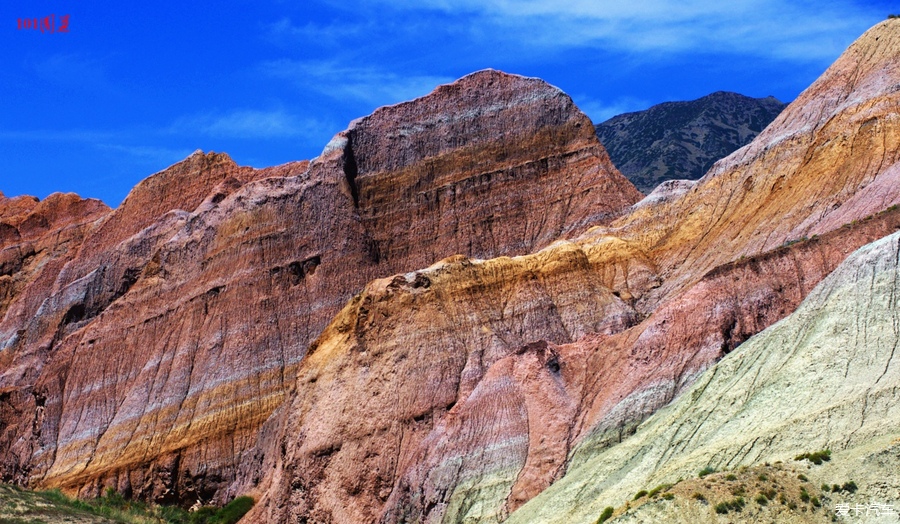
[
  {"x": 171, "y": 351},
  {"x": 161, "y": 347},
  {"x": 700, "y": 271},
  {"x": 824, "y": 378},
  {"x": 682, "y": 140},
  {"x": 445, "y": 156}
]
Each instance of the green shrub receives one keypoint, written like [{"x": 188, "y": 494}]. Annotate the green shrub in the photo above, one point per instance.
[
  {"x": 802, "y": 477},
  {"x": 761, "y": 500},
  {"x": 762, "y": 477},
  {"x": 849, "y": 486},
  {"x": 730, "y": 476},
  {"x": 203, "y": 515},
  {"x": 607, "y": 513},
  {"x": 804, "y": 495},
  {"x": 815, "y": 502},
  {"x": 655, "y": 491},
  {"x": 825, "y": 488},
  {"x": 640, "y": 494},
  {"x": 698, "y": 496},
  {"x": 816, "y": 457},
  {"x": 736, "y": 504},
  {"x": 668, "y": 496},
  {"x": 705, "y": 471},
  {"x": 835, "y": 488},
  {"x": 234, "y": 510}
]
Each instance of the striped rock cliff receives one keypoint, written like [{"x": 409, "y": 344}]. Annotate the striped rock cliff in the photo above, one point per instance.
[
  {"x": 826, "y": 377},
  {"x": 480, "y": 417},
  {"x": 155, "y": 350}
]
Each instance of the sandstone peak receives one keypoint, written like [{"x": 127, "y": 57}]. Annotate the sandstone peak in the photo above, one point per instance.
[{"x": 161, "y": 345}]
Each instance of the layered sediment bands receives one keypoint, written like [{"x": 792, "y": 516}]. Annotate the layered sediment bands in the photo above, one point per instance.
[
  {"x": 178, "y": 327},
  {"x": 654, "y": 361},
  {"x": 826, "y": 160},
  {"x": 704, "y": 268},
  {"x": 414, "y": 351},
  {"x": 442, "y": 156},
  {"x": 824, "y": 378},
  {"x": 519, "y": 409}
]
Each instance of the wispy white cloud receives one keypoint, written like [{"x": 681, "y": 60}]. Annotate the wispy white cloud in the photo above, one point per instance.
[
  {"x": 285, "y": 31},
  {"x": 249, "y": 124},
  {"x": 74, "y": 71},
  {"x": 767, "y": 28},
  {"x": 369, "y": 85}
]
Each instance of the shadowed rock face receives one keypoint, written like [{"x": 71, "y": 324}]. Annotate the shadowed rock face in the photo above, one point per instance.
[
  {"x": 693, "y": 273},
  {"x": 151, "y": 356}
]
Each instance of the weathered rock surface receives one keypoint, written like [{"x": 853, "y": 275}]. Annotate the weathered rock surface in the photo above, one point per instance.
[
  {"x": 452, "y": 393},
  {"x": 160, "y": 348},
  {"x": 702, "y": 271},
  {"x": 446, "y": 155},
  {"x": 682, "y": 140},
  {"x": 824, "y": 378}
]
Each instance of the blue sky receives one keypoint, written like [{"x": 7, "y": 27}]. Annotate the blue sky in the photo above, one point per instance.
[{"x": 134, "y": 87}]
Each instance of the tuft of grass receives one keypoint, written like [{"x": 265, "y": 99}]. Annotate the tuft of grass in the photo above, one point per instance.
[
  {"x": 640, "y": 494},
  {"x": 804, "y": 495},
  {"x": 761, "y": 500},
  {"x": 706, "y": 471},
  {"x": 233, "y": 511},
  {"x": 699, "y": 496},
  {"x": 816, "y": 457},
  {"x": 607, "y": 513},
  {"x": 655, "y": 491},
  {"x": 116, "y": 507},
  {"x": 802, "y": 477},
  {"x": 731, "y": 476},
  {"x": 849, "y": 487},
  {"x": 736, "y": 504}
]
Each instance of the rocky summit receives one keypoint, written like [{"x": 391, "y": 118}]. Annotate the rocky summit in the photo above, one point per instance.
[
  {"x": 144, "y": 347},
  {"x": 682, "y": 140},
  {"x": 462, "y": 312}
]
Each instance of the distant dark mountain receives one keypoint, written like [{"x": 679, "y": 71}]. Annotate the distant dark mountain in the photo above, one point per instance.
[{"x": 683, "y": 139}]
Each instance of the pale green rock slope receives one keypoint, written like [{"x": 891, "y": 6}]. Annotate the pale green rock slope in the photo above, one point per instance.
[{"x": 827, "y": 376}]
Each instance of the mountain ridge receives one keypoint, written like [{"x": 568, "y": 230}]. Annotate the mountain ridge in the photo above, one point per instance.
[
  {"x": 682, "y": 140},
  {"x": 398, "y": 333}
]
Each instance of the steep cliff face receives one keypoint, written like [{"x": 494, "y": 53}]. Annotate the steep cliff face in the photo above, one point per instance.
[
  {"x": 682, "y": 140},
  {"x": 824, "y": 378},
  {"x": 695, "y": 273},
  {"x": 161, "y": 347}
]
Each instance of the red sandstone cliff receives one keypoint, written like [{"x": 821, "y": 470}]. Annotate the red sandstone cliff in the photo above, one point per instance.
[
  {"x": 469, "y": 420},
  {"x": 158, "y": 346},
  {"x": 167, "y": 338}
]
